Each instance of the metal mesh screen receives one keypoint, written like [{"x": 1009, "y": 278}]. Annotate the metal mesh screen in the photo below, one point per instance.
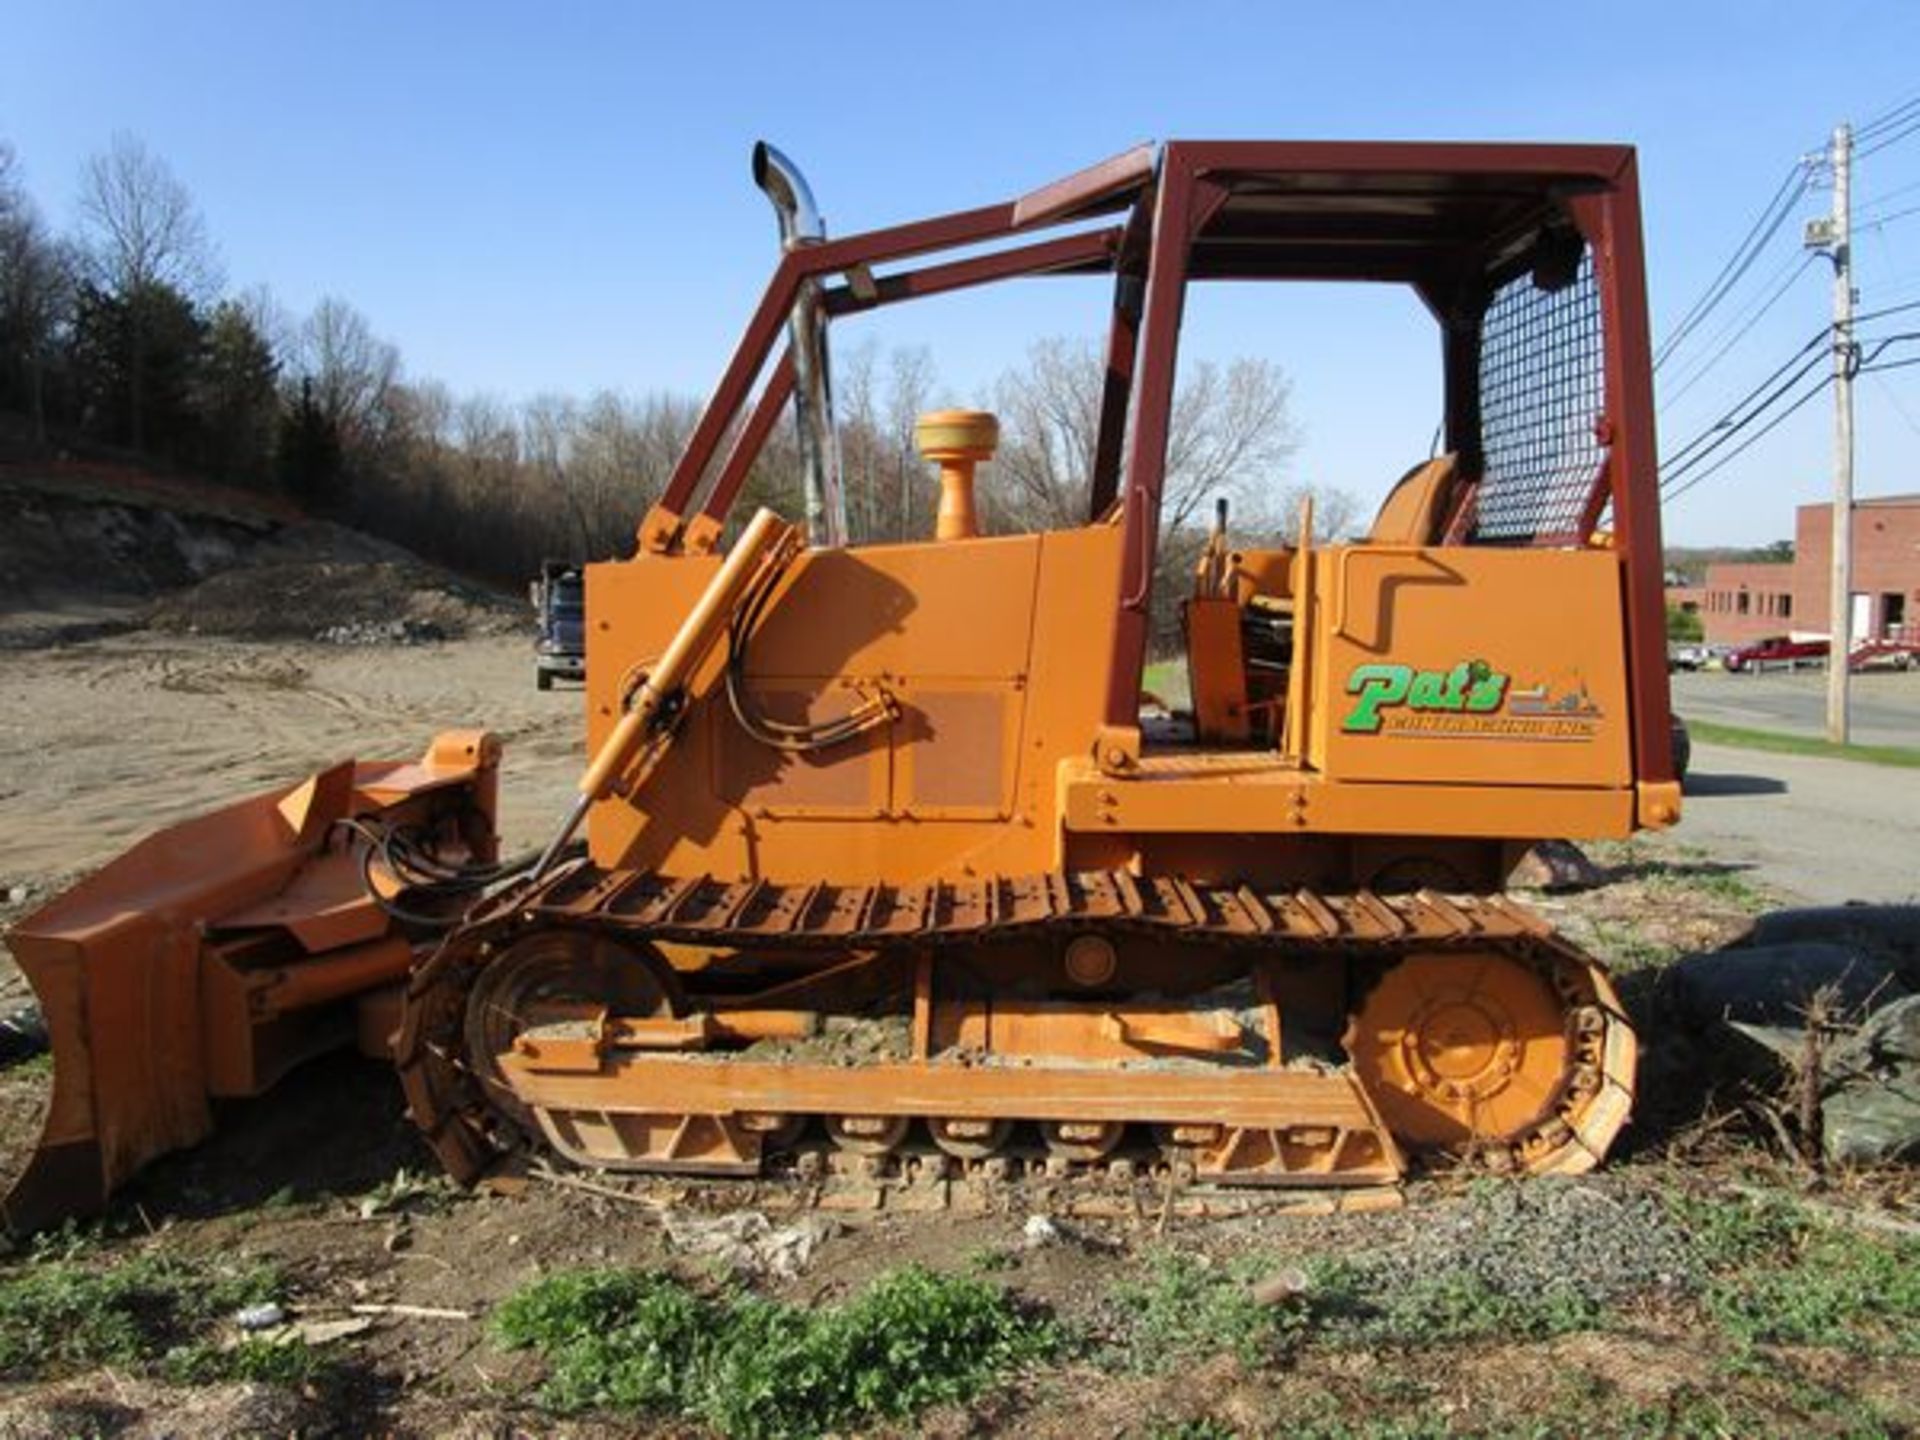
[{"x": 1542, "y": 387}]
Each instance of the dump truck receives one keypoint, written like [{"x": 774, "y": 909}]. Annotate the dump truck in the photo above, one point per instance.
[
  {"x": 880, "y": 860},
  {"x": 559, "y": 623}
]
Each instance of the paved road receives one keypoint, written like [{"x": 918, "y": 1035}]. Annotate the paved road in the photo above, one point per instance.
[
  {"x": 1885, "y": 705},
  {"x": 1817, "y": 831}
]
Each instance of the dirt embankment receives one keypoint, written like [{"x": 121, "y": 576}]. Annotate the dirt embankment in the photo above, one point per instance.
[{"x": 92, "y": 550}]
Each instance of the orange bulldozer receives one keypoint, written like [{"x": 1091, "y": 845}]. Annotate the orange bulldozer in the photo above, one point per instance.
[{"x": 915, "y": 794}]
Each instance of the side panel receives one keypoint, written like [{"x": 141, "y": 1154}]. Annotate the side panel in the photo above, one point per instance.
[
  {"x": 990, "y": 649},
  {"x": 1470, "y": 665}
]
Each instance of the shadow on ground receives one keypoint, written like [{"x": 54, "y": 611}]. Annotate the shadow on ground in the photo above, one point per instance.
[
  {"x": 1711, "y": 785},
  {"x": 333, "y": 1128}
]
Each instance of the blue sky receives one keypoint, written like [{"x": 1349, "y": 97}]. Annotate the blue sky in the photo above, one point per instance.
[{"x": 555, "y": 198}]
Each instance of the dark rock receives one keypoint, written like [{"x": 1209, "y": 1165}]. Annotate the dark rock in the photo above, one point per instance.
[
  {"x": 23, "y": 1034},
  {"x": 1772, "y": 985},
  {"x": 1871, "y": 1112},
  {"x": 1556, "y": 865},
  {"x": 1888, "y": 933}
]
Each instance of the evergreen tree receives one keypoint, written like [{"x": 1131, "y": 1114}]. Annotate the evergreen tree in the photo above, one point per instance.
[
  {"x": 137, "y": 358},
  {"x": 237, "y": 399},
  {"x": 309, "y": 453}
]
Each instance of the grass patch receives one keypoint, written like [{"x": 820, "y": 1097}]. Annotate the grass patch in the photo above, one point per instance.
[
  {"x": 1672, "y": 871},
  {"x": 153, "y": 1313},
  {"x": 1780, "y": 1276},
  {"x": 1185, "y": 1308},
  {"x": 1449, "y": 1306},
  {"x": 1706, "y": 732},
  {"x": 1167, "y": 679},
  {"x": 754, "y": 1367},
  {"x": 1625, "y": 949},
  {"x": 34, "y": 1066},
  {"x": 1703, "y": 879}
]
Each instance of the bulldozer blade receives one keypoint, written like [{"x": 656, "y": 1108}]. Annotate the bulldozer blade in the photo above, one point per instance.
[{"x": 213, "y": 956}]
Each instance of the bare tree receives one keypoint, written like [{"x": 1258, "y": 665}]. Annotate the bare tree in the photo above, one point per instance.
[
  {"x": 141, "y": 234},
  {"x": 272, "y": 322},
  {"x": 13, "y": 199},
  {"x": 141, "y": 226},
  {"x": 1049, "y": 423},
  {"x": 353, "y": 373},
  {"x": 623, "y": 451},
  {"x": 1230, "y": 434},
  {"x": 36, "y": 295},
  {"x": 861, "y": 442},
  {"x": 1336, "y": 514},
  {"x": 910, "y": 382},
  {"x": 547, "y": 426}
]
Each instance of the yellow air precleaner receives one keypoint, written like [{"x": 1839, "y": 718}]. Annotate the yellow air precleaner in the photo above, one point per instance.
[{"x": 957, "y": 440}]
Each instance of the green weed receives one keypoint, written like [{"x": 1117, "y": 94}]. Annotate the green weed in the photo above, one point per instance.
[
  {"x": 1446, "y": 1307},
  {"x": 1625, "y": 949},
  {"x": 1670, "y": 870},
  {"x": 255, "y": 1358},
  {"x": 1185, "y": 1307},
  {"x": 755, "y": 1367},
  {"x": 66, "y": 1312},
  {"x": 1779, "y": 1275},
  {"x": 1198, "y": 1428}
]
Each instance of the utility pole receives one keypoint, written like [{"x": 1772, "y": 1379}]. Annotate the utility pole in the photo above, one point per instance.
[{"x": 1840, "y": 600}]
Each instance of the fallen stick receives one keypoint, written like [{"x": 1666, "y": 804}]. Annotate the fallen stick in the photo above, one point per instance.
[
  {"x": 412, "y": 1312},
  {"x": 588, "y": 1187}
]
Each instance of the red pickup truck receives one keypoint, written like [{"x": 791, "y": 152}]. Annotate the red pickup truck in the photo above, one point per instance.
[
  {"x": 1869, "y": 655},
  {"x": 1777, "y": 651}
]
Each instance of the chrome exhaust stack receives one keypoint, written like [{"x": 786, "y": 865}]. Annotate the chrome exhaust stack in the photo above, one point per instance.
[{"x": 800, "y": 224}]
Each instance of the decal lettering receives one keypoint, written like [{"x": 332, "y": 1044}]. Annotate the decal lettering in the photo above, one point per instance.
[{"x": 1470, "y": 700}]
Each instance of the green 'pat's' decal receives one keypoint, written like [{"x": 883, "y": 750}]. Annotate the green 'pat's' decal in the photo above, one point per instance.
[{"x": 1472, "y": 687}]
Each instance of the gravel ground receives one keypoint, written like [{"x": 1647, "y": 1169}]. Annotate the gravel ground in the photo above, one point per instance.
[{"x": 1600, "y": 1239}]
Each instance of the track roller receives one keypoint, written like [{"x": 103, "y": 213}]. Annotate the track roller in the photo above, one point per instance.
[
  {"x": 1082, "y": 1141},
  {"x": 969, "y": 1139},
  {"x": 867, "y": 1134}
]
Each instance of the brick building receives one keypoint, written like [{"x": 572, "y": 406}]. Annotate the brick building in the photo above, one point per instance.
[
  {"x": 1749, "y": 601},
  {"x": 1886, "y": 568}
]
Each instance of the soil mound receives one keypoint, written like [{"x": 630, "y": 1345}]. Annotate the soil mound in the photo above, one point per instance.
[
  {"x": 94, "y": 550},
  {"x": 337, "y": 601}
]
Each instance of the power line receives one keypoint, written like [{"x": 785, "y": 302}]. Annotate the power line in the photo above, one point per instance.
[
  {"x": 1771, "y": 218},
  {"x": 1753, "y": 318},
  {"x": 1882, "y": 199},
  {"x": 1893, "y": 398},
  {"x": 1912, "y": 127},
  {"x": 1890, "y": 116},
  {"x": 1734, "y": 419},
  {"x": 1725, "y": 433},
  {"x": 1769, "y": 404},
  {"x": 1676, "y": 481},
  {"x": 1885, "y": 310},
  {"x": 1669, "y": 496},
  {"x": 1884, "y": 343},
  {"x": 1876, "y": 222}
]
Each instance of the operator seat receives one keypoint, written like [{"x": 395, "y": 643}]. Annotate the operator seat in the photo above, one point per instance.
[{"x": 1416, "y": 509}]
